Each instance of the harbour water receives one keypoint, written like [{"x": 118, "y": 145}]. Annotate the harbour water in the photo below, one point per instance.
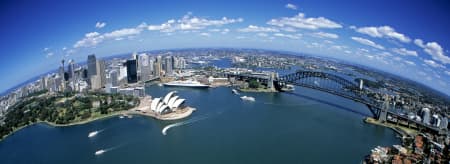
[{"x": 306, "y": 126}]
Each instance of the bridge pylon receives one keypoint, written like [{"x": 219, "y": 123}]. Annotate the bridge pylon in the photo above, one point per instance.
[{"x": 382, "y": 117}]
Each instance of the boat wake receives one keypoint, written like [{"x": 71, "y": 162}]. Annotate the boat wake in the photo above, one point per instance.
[
  {"x": 166, "y": 128},
  {"x": 103, "y": 151},
  {"x": 94, "y": 133}
]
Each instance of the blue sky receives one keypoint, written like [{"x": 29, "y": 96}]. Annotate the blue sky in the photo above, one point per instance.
[{"x": 407, "y": 38}]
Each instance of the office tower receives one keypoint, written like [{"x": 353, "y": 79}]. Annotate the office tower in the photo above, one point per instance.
[
  {"x": 113, "y": 75},
  {"x": 169, "y": 65},
  {"x": 71, "y": 70},
  {"x": 131, "y": 71},
  {"x": 101, "y": 72},
  {"x": 157, "y": 67},
  {"x": 144, "y": 67},
  {"x": 92, "y": 66}
]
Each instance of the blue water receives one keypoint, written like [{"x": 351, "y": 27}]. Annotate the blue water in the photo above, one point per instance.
[{"x": 304, "y": 127}]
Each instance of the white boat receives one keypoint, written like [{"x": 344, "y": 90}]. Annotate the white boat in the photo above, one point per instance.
[
  {"x": 248, "y": 98},
  {"x": 159, "y": 84},
  {"x": 187, "y": 83},
  {"x": 93, "y": 134},
  {"x": 100, "y": 152},
  {"x": 235, "y": 91},
  {"x": 121, "y": 116}
]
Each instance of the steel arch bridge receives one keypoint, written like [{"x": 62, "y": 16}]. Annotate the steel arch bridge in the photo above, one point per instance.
[{"x": 325, "y": 82}]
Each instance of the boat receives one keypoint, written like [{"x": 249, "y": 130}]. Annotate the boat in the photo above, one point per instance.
[
  {"x": 93, "y": 134},
  {"x": 288, "y": 88},
  {"x": 100, "y": 152},
  {"x": 159, "y": 84},
  {"x": 248, "y": 98},
  {"x": 121, "y": 116},
  {"x": 235, "y": 91},
  {"x": 187, "y": 83}
]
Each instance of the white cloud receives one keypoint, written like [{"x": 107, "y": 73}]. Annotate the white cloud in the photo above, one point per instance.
[
  {"x": 165, "y": 27},
  {"x": 434, "y": 50},
  {"x": 409, "y": 62},
  {"x": 291, "y": 6},
  {"x": 214, "y": 30},
  {"x": 189, "y": 22},
  {"x": 325, "y": 35},
  {"x": 404, "y": 51},
  {"x": 205, "y": 34},
  {"x": 240, "y": 37},
  {"x": 300, "y": 21},
  {"x": 447, "y": 72},
  {"x": 100, "y": 24},
  {"x": 225, "y": 31},
  {"x": 261, "y": 34},
  {"x": 253, "y": 28},
  {"x": 383, "y": 32},
  {"x": 46, "y": 49},
  {"x": 290, "y": 36},
  {"x": 433, "y": 63},
  {"x": 50, "y": 54},
  {"x": 367, "y": 42},
  {"x": 94, "y": 38}
]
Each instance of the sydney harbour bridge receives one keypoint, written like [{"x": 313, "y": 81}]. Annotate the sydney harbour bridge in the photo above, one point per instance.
[{"x": 336, "y": 85}]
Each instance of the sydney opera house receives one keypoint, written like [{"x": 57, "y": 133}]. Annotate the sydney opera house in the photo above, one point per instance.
[{"x": 170, "y": 103}]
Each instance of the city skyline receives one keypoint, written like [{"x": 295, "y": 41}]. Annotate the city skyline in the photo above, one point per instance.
[{"x": 399, "y": 40}]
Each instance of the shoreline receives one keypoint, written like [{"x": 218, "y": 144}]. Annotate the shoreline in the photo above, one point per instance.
[
  {"x": 186, "y": 112},
  {"x": 403, "y": 131},
  {"x": 89, "y": 120},
  {"x": 259, "y": 90}
]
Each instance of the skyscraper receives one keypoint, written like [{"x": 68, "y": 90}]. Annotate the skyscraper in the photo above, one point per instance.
[
  {"x": 169, "y": 65},
  {"x": 143, "y": 67},
  {"x": 71, "y": 69},
  {"x": 157, "y": 67},
  {"x": 92, "y": 66},
  {"x": 131, "y": 71},
  {"x": 114, "y": 76}
]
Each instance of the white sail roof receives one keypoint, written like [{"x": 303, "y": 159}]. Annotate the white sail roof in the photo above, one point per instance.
[
  {"x": 154, "y": 104},
  {"x": 160, "y": 109},
  {"x": 171, "y": 101},
  {"x": 167, "y": 97},
  {"x": 178, "y": 102}
]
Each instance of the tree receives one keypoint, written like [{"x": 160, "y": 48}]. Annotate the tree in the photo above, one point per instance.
[{"x": 253, "y": 84}]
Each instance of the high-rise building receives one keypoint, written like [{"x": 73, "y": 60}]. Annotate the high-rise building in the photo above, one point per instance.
[
  {"x": 157, "y": 66},
  {"x": 168, "y": 65},
  {"x": 144, "y": 67},
  {"x": 92, "y": 66},
  {"x": 101, "y": 72},
  {"x": 71, "y": 69},
  {"x": 131, "y": 71},
  {"x": 113, "y": 75}
]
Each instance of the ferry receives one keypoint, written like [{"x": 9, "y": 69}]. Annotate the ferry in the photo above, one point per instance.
[
  {"x": 100, "y": 152},
  {"x": 187, "y": 83},
  {"x": 93, "y": 134},
  {"x": 248, "y": 98},
  {"x": 235, "y": 91}
]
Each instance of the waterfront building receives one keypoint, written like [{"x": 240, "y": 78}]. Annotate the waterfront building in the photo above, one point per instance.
[
  {"x": 169, "y": 103},
  {"x": 131, "y": 71}
]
